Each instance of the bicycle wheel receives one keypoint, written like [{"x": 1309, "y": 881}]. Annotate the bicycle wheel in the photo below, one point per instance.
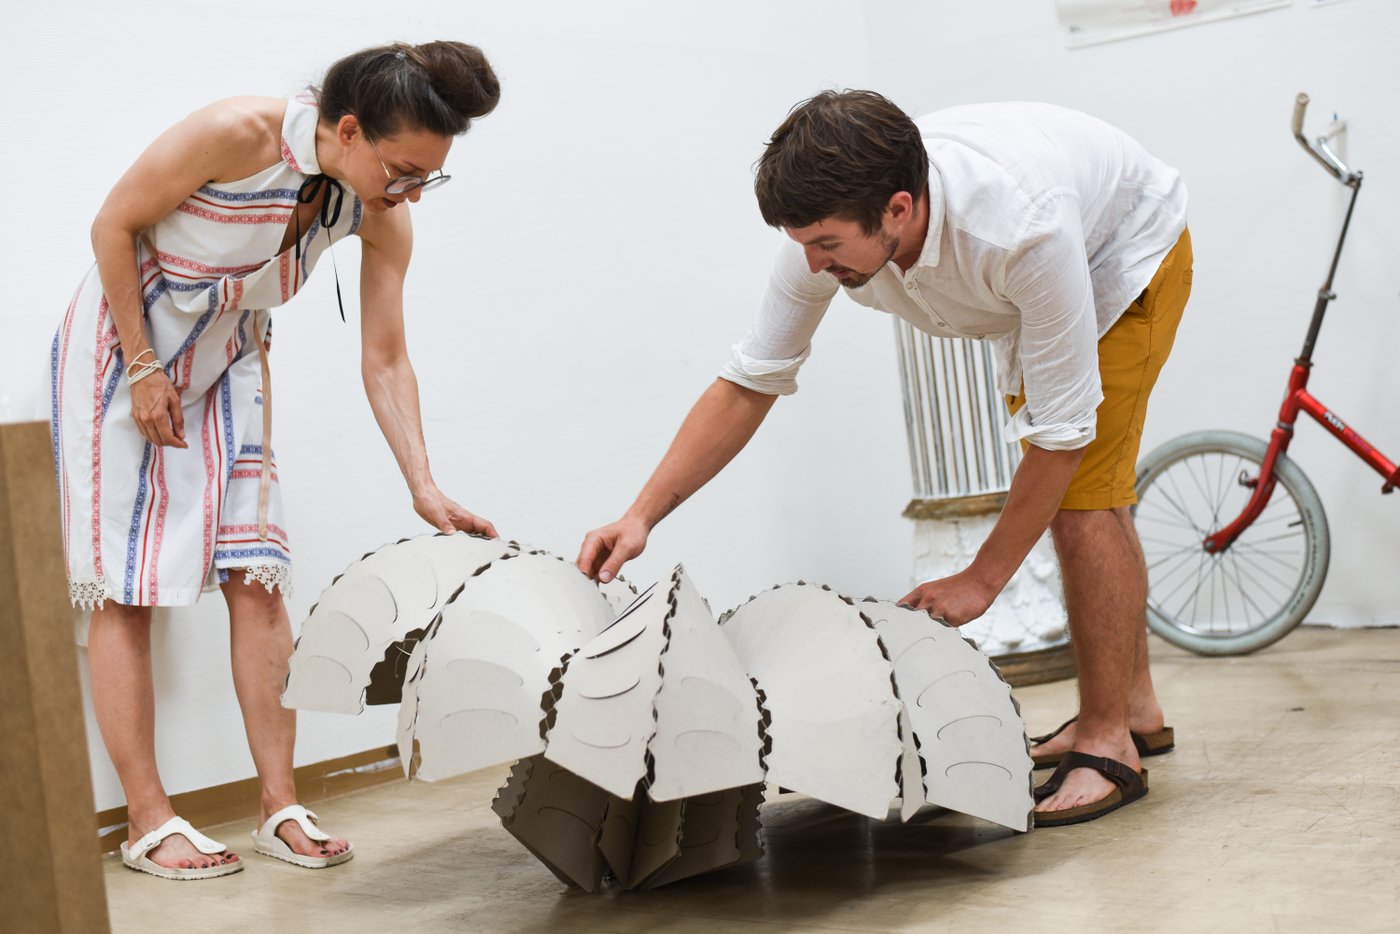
[{"x": 1256, "y": 591}]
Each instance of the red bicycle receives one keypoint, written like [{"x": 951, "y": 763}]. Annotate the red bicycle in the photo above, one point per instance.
[{"x": 1234, "y": 533}]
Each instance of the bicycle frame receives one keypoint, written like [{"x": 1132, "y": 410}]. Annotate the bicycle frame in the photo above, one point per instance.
[{"x": 1298, "y": 399}]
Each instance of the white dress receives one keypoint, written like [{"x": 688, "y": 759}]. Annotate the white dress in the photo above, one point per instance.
[{"x": 146, "y": 525}]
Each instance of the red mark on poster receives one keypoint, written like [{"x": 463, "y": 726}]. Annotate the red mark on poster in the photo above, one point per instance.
[{"x": 1183, "y": 7}]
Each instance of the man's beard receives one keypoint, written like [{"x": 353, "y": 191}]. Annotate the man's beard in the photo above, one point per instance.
[{"x": 858, "y": 279}]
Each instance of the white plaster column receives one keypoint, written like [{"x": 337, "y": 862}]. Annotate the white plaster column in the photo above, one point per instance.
[{"x": 961, "y": 470}]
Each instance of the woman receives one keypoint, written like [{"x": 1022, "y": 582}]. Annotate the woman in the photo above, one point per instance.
[{"x": 162, "y": 397}]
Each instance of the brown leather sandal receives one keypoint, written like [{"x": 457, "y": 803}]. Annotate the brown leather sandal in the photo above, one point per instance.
[
  {"x": 1147, "y": 744},
  {"x": 1130, "y": 787}
]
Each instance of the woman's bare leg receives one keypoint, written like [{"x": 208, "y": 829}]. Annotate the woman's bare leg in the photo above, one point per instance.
[
  {"x": 123, "y": 697},
  {"x": 260, "y": 636}
]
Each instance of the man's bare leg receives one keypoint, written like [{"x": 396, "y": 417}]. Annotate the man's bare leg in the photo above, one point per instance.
[
  {"x": 1105, "y": 584},
  {"x": 1144, "y": 712},
  {"x": 123, "y": 698},
  {"x": 260, "y": 637}
]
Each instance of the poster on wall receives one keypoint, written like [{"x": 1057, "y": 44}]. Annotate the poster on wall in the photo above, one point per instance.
[{"x": 1090, "y": 22}]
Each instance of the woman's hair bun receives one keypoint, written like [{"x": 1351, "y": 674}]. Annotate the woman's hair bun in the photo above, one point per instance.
[
  {"x": 461, "y": 75},
  {"x": 438, "y": 86}
]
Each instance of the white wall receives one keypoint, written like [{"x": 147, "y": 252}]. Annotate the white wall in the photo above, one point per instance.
[
  {"x": 1215, "y": 102},
  {"x": 573, "y": 290},
  {"x": 580, "y": 281}
]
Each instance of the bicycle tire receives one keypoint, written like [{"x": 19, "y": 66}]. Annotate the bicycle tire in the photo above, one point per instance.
[{"x": 1198, "y": 480}]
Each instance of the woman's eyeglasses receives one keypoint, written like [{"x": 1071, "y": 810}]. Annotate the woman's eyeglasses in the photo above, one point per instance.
[{"x": 406, "y": 183}]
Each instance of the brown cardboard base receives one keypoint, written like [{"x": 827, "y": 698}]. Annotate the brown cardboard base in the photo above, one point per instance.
[
  {"x": 50, "y": 878},
  {"x": 583, "y": 834}
]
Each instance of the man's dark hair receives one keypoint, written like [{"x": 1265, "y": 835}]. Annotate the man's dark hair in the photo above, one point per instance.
[{"x": 840, "y": 154}]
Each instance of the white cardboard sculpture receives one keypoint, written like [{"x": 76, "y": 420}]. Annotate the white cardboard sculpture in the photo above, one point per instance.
[
  {"x": 359, "y": 626},
  {"x": 475, "y": 680},
  {"x": 661, "y": 686},
  {"x": 642, "y": 730}
]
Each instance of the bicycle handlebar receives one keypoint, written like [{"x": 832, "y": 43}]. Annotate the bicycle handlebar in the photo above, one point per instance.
[
  {"x": 1299, "y": 106},
  {"x": 1322, "y": 152}
]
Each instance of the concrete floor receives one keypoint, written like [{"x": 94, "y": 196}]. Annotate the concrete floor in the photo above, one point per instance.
[{"x": 1279, "y": 810}]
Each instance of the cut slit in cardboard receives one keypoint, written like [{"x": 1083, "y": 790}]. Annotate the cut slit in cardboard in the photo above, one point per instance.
[
  {"x": 643, "y": 731},
  {"x": 472, "y": 696},
  {"x": 369, "y": 618}
]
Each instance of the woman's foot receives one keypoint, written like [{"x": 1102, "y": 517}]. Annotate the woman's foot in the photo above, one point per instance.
[
  {"x": 292, "y": 834},
  {"x": 175, "y": 850}
]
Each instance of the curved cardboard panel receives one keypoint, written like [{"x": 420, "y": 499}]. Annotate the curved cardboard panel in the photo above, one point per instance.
[
  {"x": 474, "y": 692},
  {"x": 377, "y": 603},
  {"x": 970, "y": 733},
  {"x": 829, "y": 690},
  {"x": 707, "y": 730}
]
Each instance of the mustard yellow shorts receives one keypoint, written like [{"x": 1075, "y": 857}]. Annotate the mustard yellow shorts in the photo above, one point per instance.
[{"x": 1131, "y": 355}]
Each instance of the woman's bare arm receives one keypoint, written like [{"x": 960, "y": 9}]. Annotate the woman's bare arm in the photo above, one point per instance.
[
  {"x": 219, "y": 141},
  {"x": 390, "y": 383}
]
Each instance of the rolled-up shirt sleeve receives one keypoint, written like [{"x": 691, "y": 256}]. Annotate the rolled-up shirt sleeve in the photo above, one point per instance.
[
  {"x": 1058, "y": 340},
  {"x": 780, "y": 338}
]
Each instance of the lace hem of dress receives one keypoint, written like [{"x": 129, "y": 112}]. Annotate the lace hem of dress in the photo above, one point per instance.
[
  {"x": 269, "y": 575},
  {"x": 89, "y": 594}
]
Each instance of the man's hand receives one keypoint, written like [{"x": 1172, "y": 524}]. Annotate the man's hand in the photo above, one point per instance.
[
  {"x": 155, "y": 407},
  {"x": 956, "y": 600},
  {"x": 606, "y": 550},
  {"x": 446, "y": 516}
]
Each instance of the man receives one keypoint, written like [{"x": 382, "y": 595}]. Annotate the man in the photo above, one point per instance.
[{"x": 1061, "y": 240}]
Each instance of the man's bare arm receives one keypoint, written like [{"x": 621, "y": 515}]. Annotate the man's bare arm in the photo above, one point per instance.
[{"x": 719, "y": 425}]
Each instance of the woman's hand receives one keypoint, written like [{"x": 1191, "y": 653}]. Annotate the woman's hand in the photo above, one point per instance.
[
  {"x": 155, "y": 407},
  {"x": 446, "y": 516}
]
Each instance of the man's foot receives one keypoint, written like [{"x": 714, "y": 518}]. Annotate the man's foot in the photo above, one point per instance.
[
  {"x": 1064, "y": 798},
  {"x": 1080, "y": 785},
  {"x": 1148, "y": 724}
]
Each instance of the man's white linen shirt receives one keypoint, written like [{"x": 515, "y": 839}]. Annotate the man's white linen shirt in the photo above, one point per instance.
[{"x": 1044, "y": 224}]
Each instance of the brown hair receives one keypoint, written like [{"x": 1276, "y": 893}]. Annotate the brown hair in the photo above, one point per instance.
[
  {"x": 839, "y": 154},
  {"x": 437, "y": 86}
]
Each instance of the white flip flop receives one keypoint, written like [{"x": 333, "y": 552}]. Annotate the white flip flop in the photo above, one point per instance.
[
  {"x": 134, "y": 855},
  {"x": 266, "y": 841}
]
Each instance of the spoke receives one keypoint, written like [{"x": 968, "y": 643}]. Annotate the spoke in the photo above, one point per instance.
[
  {"x": 1225, "y": 588},
  {"x": 1290, "y": 520},
  {"x": 1261, "y": 569},
  {"x": 1199, "y": 568},
  {"x": 1247, "y": 581},
  {"x": 1278, "y": 538},
  {"x": 1182, "y": 564},
  {"x": 1176, "y": 503},
  {"x": 1221, "y": 486},
  {"x": 1206, "y": 496},
  {"x": 1246, "y": 601},
  {"x": 1251, "y": 579},
  {"x": 1169, "y": 519},
  {"x": 1176, "y": 550},
  {"x": 1229, "y": 592},
  {"x": 1295, "y": 565},
  {"x": 1213, "y": 566}
]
